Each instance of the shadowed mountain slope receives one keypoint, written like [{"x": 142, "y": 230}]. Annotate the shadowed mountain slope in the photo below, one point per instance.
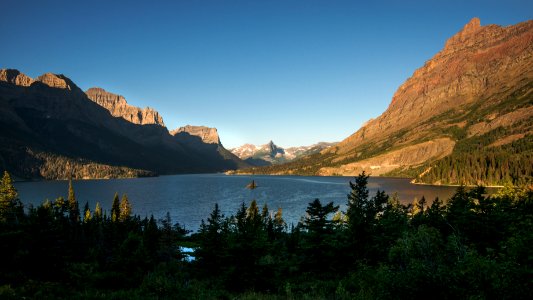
[{"x": 50, "y": 128}]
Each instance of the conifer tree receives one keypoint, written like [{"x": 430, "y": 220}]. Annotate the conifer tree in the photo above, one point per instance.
[
  {"x": 98, "y": 211},
  {"x": 318, "y": 245},
  {"x": 86, "y": 213},
  {"x": 74, "y": 210},
  {"x": 279, "y": 223},
  {"x": 357, "y": 204},
  {"x": 10, "y": 206},
  {"x": 212, "y": 251},
  {"x": 357, "y": 200},
  {"x": 60, "y": 207},
  {"x": 240, "y": 218},
  {"x": 253, "y": 218},
  {"x": 115, "y": 209},
  {"x": 125, "y": 208},
  {"x": 316, "y": 220}
]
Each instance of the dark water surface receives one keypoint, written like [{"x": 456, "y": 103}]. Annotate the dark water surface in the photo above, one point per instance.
[{"x": 190, "y": 198}]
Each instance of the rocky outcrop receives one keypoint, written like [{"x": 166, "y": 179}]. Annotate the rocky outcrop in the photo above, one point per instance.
[
  {"x": 118, "y": 107},
  {"x": 57, "y": 81},
  {"x": 15, "y": 77},
  {"x": 208, "y": 135}
]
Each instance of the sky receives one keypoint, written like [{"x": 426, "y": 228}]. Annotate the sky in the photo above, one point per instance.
[{"x": 295, "y": 72}]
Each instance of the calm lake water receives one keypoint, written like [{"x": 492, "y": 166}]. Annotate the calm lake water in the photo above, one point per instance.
[{"x": 190, "y": 198}]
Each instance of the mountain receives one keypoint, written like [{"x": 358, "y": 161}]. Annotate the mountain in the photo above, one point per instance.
[
  {"x": 206, "y": 139},
  {"x": 271, "y": 154},
  {"x": 206, "y": 134},
  {"x": 50, "y": 128},
  {"x": 466, "y": 116}
]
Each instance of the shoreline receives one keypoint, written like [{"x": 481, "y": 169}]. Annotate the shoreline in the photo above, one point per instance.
[
  {"x": 407, "y": 178},
  {"x": 233, "y": 173},
  {"x": 456, "y": 185}
]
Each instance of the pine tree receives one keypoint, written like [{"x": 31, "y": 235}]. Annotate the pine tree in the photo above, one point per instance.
[
  {"x": 11, "y": 209},
  {"x": 60, "y": 207},
  {"x": 240, "y": 218},
  {"x": 98, "y": 212},
  {"x": 115, "y": 209},
  {"x": 86, "y": 213},
  {"x": 357, "y": 205},
  {"x": 279, "y": 223},
  {"x": 316, "y": 219},
  {"x": 74, "y": 210},
  {"x": 357, "y": 200},
  {"x": 318, "y": 245},
  {"x": 125, "y": 208},
  {"x": 213, "y": 245},
  {"x": 253, "y": 218}
]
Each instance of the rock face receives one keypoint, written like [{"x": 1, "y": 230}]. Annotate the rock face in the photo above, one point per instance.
[
  {"x": 118, "y": 107},
  {"x": 15, "y": 77},
  {"x": 207, "y": 134},
  {"x": 57, "y": 81},
  {"x": 479, "y": 62}
]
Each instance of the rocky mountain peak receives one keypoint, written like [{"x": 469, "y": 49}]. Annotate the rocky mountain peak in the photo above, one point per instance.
[
  {"x": 207, "y": 134},
  {"x": 477, "y": 63},
  {"x": 15, "y": 77},
  {"x": 270, "y": 153},
  {"x": 471, "y": 26},
  {"x": 272, "y": 147},
  {"x": 469, "y": 31},
  {"x": 58, "y": 81},
  {"x": 119, "y": 107}
]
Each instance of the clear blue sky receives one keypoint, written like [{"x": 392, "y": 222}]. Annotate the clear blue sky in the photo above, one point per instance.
[{"x": 296, "y": 72}]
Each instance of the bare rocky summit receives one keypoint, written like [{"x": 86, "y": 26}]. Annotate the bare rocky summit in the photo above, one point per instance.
[
  {"x": 119, "y": 107},
  {"x": 56, "y": 81},
  {"x": 15, "y": 77},
  {"x": 208, "y": 135}
]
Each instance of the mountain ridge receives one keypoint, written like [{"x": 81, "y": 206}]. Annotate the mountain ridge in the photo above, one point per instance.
[
  {"x": 51, "y": 129},
  {"x": 270, "y": 153},
  {"x": 119, "y": 107},
  {"x": 473, "y": 94}
]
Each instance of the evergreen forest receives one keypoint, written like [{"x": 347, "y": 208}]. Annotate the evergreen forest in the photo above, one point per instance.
[{"x": 471, "y": 246}]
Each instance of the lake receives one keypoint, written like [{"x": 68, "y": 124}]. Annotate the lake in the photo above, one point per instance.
[{"x": 190, "y": 198}]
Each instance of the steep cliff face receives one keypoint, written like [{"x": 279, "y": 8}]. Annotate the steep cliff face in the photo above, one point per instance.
[
  {"x": 57, "y": 81},
  {"x": 15, "y": 77},
  {"x": 479, "y": 63},
  {"x": 208, "y": 135},
  {"x": 118, "y": 107}
]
